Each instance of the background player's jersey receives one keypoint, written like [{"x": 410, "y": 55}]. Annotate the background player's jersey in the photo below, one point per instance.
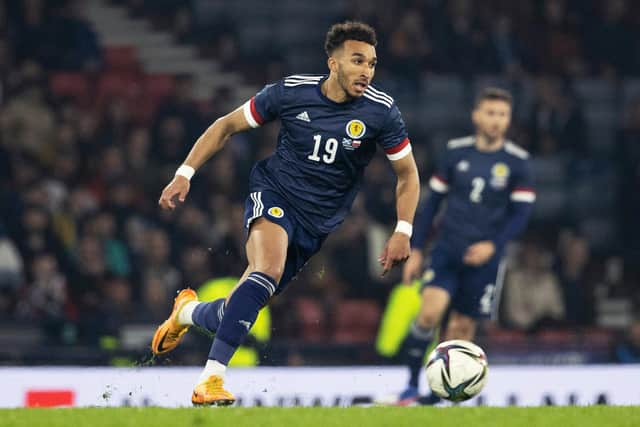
[
  {"x": 480, "y": 189},
  {"x": 323, "y": 146}
]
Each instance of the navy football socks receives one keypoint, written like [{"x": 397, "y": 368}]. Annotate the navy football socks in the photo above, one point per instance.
[
  {"x": 415, "y": 347},
  {"x": 240, "y": 313},
  {"x": 208, "y": 315}
]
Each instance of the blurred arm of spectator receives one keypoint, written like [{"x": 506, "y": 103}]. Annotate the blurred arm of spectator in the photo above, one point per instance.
[
  {"x": 11, "y": 264},
  {"x": 26, "y": 122},
  {"x": 532, "y": 291}
]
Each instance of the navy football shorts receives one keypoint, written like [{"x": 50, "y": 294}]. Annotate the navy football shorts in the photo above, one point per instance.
[
  {"x": 473, "y": 290},
  {"x": 302, "y": 245}
]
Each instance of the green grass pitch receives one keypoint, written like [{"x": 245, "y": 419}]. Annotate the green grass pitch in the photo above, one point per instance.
[{"x": 609, "y": 416}]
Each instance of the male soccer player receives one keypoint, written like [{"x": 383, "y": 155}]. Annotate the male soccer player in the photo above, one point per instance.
[
  {"x": 487, "y": 184},
  {"x": 329, "y": 129}
]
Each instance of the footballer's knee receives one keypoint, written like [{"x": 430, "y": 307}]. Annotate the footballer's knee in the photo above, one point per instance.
[
  {"x": 434, "y": 303},
  {"x": 427, "y": 318},
  {"x": 461, "y": 327},
  {"x": 273, "y": 270}
]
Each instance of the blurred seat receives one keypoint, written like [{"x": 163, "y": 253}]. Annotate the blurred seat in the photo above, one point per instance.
[
  {"x": 119, "y": 84},
  {"x": 601, "y": 124},
  {"x": 484, "y": 81},
  {"x": 630, "y": 91},
  {"x": 595, "y": 91},
  {"x": 158, "y": 86},
  {"x": 436, "y": 115},
  {"x": 444, "y": 90},
  {"x": 67, "y": 84},
  {"x": 312, "y": 319},
  {"x": 356, "y": 321},
  {"x": 152, "y": 89},
  {"x": 501, "y": 338},
  {"x": 595, "y": 337},
  {"x": 556, "y": 338},
  {"x": 121, "y": 58}
]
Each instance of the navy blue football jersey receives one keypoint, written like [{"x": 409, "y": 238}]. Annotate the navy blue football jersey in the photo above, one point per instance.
[
  {"x": 480, "y": 186},
  {"x": 323, "y": 146}
]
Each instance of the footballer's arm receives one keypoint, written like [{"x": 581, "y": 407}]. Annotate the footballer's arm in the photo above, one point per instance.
[
  {"x": 398, "y": 247},
  {"x": 209, "y": 143}
]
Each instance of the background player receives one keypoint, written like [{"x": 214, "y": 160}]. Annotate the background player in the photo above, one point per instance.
[
  {"x": 329, "y": 129},
  {"x": 487, "y": 183}
]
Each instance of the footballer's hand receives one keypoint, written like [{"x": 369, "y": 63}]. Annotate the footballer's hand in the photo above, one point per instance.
[
  {"x": 396, "y": 251},
  {"x": 413, "y": 267},
  {"x": 177, "y": 189},
  {"x": 479, "y": 253}
]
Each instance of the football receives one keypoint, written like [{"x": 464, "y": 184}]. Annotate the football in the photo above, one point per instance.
[{"x": 457, "y": 370}]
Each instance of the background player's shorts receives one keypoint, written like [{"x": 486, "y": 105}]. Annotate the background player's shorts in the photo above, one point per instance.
[
  {"x": 472, "y": 289},
  {"x": 302, "y": 245}
]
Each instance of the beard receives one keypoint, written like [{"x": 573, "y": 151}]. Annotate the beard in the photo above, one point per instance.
[
  {"x": 343, "y": 81},
  {"x": 493, "y": 137}
]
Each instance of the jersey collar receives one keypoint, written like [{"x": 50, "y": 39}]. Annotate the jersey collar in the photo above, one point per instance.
[{"x": 329, "y": 101}]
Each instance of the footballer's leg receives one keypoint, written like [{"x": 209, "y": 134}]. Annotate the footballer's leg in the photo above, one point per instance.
[
  {"x": 460, "y": 327},
  {"x": 440, "y": 282},
  {"x": 473, "y": 301},
  {"x": 188, "y": 311},
  {"x": 435, "y": 301},
  {"x": 208, "y": 315},
  {"x": 266, "y": 252}
]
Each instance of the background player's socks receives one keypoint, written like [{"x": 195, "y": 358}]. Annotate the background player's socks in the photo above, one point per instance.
[
  {"x": 208, "y": 315},
  {"x": 415, "y": 346},
  {"x": 240, "y": 313},
  {"x": 213, "y": 367}
]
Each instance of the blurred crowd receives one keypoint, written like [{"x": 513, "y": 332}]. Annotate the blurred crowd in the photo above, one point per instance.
[
  {"x": 569, "y": 38},
  {"x": 85, "y": 249}
]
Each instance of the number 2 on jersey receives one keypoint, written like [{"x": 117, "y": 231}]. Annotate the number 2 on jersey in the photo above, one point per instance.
[
  {"x": 330, "y": 148},
  {"x": 476, "y": 192}
]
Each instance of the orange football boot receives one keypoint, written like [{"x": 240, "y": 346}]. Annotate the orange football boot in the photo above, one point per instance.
[
  {"x": 168, "y": 334},
  {"x": 212, "y": 392}
]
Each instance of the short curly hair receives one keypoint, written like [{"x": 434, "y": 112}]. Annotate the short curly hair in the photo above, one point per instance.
[{"x": 348, "y": 30}]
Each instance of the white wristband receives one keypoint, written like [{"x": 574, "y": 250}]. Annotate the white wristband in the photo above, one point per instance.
[
  {"x": 404, "y": 227},
  {"x": 186, "y": 171}
]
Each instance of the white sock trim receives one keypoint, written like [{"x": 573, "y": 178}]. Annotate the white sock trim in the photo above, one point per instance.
[
  {"x": 421, "y": 333},
  {"x": 185, "y": 313},
  {"x": 213, "y": 367}
]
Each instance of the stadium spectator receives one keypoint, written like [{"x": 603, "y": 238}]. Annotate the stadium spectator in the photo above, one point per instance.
[
  {"x": 11, "y": 271},
  {"x": 628, "y": 351},
  {"x": 160, "y": 279},
  {"x": 612, "y": 34},
  {"x": 533, "y": 297},
  {"x": 27, "y": 121},
  {"x": 557, "y": 115},
  {"x": 468, "y": 49},
  {"x": 571, "y": 266},
  {"x": 177, "y": 121},
  {"x": 628, "y": 159},
  {"x": 103, "y": 226},
  {"x": 44, "y": 299}
]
